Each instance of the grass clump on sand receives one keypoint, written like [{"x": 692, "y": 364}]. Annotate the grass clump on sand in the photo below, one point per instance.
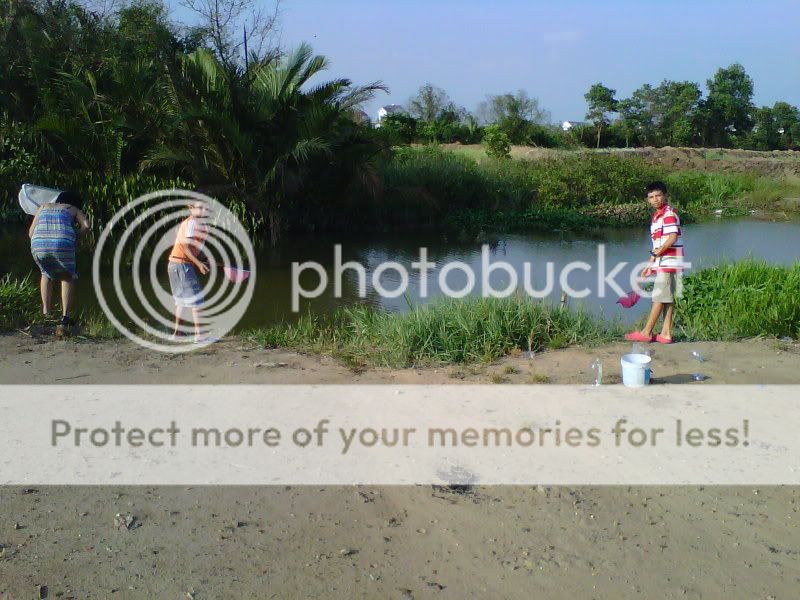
[
  {"x": 19, "y": 303},
  {"x": 740, "y": 300},
  {"x": 97, "y": 326},
  {"x": 449, "y": 331}
]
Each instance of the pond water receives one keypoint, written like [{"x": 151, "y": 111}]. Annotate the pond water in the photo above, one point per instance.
[{"x": 706, "y": 244}]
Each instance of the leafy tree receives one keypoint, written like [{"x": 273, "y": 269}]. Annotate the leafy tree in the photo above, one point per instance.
[
  {"x": 728, "y": 108},
  {"x": 262, "y": 135},
  {"x": 496, "y": 142},
  {"x": 399, "y": 128},
  {"x": 765, "y": 134},
  {"x": 430, "y": 103},
  {"x": 676, "y": 106},
  {"x": 514, "y": 114},
  {"x": 787, "y": 122},
  {"x": 238, "y": 30},
  {"x": 601, "y": 102},
  {"x": 632, "y": 119},
  {"x": 519, "y": 106},
  {"x": 668, "y": 114}
]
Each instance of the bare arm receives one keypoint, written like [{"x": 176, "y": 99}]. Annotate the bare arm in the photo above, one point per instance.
[
  {"x": 667, "y": 244},
  {"x": 82, "y": 219},
  {"x": 187, "y": 252}
]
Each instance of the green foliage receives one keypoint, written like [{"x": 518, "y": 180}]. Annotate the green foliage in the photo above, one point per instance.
[
  {"x": 745, "y": 299},
  {"x": 430, "y": 103},
  {"x": 741, "y": 300},
  {"x": 713, "y": 189},
  {"x": 435, "y": 187},
  {"x": 496, "y": 142},
  {"x": 728, "y": 109},
  {"x": 667, "y": 115},
  {"x": 262, "y": 134},
  {"x": 601, "y": 102},
  {"x": 399, "y": 129},
  {"x": 19, "y": 303},
  {"x": 102, "y": 195},
  {"x": 95, "y": 325},
  {"x": 124, "y": 93},
  {"x": 787, "y": 123},
  {"x": 450, "y": 331}
]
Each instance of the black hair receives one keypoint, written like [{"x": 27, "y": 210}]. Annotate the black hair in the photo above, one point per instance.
[
  {"x": 71, "y": 198},
  {"x": 657, "y": 186}
]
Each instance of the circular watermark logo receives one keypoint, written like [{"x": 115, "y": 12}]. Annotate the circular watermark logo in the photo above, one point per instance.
[{"x": 182, "y": 270}]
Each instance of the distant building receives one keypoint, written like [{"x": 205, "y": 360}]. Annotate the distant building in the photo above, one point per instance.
[
  {"x": 389, "y": 109},
  {"x": 567, "y": 125}
]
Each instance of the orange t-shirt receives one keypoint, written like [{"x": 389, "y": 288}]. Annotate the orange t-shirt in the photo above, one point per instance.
[{"x": 191, "y": 234}]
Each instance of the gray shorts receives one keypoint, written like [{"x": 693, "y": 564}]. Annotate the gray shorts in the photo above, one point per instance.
[
  {"x": 186, "y": 288},
  {"x": 664, "y": 287}
]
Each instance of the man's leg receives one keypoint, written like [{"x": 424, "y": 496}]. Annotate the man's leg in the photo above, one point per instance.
[
  {"x": 46, "y": 289},
  {"x": 655, "y": 312},
  {"x": 666, "y": 329}
]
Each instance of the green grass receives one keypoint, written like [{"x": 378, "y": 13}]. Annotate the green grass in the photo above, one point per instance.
[
  {"x": 20, "y": 307},
  {"x": 699, "y": 194},
  {"x": 538, "y": 378},
  {"x": 19, "y": 303},
  {"x": 449, "y": 331},
  {"x": 460, "y": 192},
  {"x": 96, "y": 326},
  {"x": 740, "y": 300}
]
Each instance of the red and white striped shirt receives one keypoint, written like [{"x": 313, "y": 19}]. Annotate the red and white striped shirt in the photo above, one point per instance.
[{"x": 666, "y": 222}]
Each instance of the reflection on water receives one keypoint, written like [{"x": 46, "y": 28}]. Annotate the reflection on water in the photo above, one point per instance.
[{"x": 706, "y": 244}]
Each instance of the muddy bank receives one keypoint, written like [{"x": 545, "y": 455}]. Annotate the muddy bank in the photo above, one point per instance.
[
  {"x": 27, "y": 360},
  {"x": 777, "y": 163}
]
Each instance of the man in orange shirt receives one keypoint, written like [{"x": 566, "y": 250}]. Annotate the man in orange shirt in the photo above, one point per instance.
[{"x": 184, "y": 265}]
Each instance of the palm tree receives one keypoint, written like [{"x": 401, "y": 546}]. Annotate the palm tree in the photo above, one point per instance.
[{"x": 260, "y": 133}]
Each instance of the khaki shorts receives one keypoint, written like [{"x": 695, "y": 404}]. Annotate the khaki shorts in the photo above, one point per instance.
[{"x": 664, "y": 287}]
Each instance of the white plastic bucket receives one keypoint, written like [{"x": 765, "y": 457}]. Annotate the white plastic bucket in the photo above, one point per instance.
[{"x": 635, "y": 370}]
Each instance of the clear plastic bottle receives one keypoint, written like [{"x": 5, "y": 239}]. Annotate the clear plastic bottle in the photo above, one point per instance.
[{"x": 597, "y": 372}]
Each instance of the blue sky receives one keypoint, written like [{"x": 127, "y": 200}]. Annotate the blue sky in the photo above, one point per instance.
[{"x": 554, "y": 50}]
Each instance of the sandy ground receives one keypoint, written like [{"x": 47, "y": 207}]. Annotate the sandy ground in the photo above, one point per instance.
[
  {"x": 394, "y": 542},
  {"x": 26, "y": 360}
]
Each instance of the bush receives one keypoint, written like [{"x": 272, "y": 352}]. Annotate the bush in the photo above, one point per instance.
[
  {"x": 496, "y": 142},
  {"x": 399, "y": 129},
  {"x": 449, "y": 331},
  {"x": 740, "y": 300},
  {"x": 435, "y": 186},
  {"x": 102, "y": 195}
]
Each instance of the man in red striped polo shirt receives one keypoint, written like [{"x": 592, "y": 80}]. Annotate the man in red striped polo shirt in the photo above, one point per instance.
[{"x": 666, "y": 259}]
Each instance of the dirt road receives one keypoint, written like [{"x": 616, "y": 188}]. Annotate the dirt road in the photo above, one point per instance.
[{"x": 393, "y": 542}]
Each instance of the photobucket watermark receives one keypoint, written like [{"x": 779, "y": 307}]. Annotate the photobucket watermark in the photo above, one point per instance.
[{"x": 517, "y": 278}]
